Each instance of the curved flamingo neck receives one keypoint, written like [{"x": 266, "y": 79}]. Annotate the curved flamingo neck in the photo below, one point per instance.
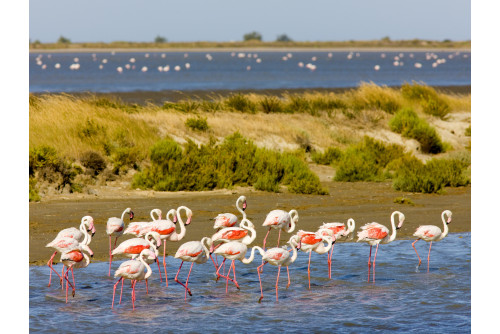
[
  {"x": 238, "y": 201},
  {"x": 294, "y": 244},
  {"x": 206, "y": 247},
  {"x": 445, "y": 226},
  {"x": 294, "y": 216},
  {"x": 245, "y": 225},
  {"x": 148, "y": 268},
  {"x": 252, "y": 256},
  {"x": 351, "y": 225},
  {"x": 127, "y": 210},
  {"x": 322, "y": 249},
  {"x": 158, "y": 212},
  {"x": 86, "y": 235},
  {"x": 178, "y": 236}
]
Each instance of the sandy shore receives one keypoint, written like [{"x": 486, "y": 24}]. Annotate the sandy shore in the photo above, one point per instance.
[{"x": 362, "y": 201}]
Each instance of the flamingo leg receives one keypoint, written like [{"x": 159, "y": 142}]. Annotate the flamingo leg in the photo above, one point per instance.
[
  {"x": 73, "y": 276},
  {"x": 62, "y": 274},
  {"x": 114, "y": 290},
  {"x": 279, "y": 237},
  {"x": 133, "y": 295},
  {"x": 121, "y": 292},
  {"x": 147, "y": 291},
  {"x": 218, "y": 269},
  {"x": 260, "y": 281},
  {"x": 177, "y": 280},
  {"x": 374, "y": 259},
  {"x": 164, "y": 263},
  {"x": 429, "y": 257},
  {"x": 288, "y": 274},
  {"x": 65, "y": 276},
  {"x": 159, "y": 270},
  {"x": 309, "y": 269},
  {"x": 369, "y": 264},
  {"x": 187, "y": 283},
  {"x": 277, "y": 279},
  {"x": 413, "y": 245},
  {"x": 330, "y": 262},
  {"x": 49, "y": 263},
  {"x": 234, "y": 276},
  {"x": 265, "y": 238}
]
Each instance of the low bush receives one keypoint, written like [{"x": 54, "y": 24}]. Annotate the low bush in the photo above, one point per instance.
[
  {"x": 468, "y": 131},
  {"x": 33, "y": 190},
  {"x": 330, "y": 156},
  {"x": 93, "y": 162},
  {"x": 428, "y": 98},
  {"x": 197, "y": 124},
  {"x": 241, "y": 103},
  {"x": 409, "y": 125}
]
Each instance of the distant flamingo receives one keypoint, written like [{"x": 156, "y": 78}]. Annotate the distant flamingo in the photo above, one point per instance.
[
  {"x": 81, "y": 235},
  {"x": 339, "y": 231},
  {"x": 114, "y": 228},
  {"x": 62, "y": 245},
  {"x": 134, "y": 271},
  {"x": 432, "y": 233},
  {"x": 278, "y": 256},
  {"x": 74, "y": 259},
  {"x": 192, "y": 251},
  {"x": 282, "y": 220},
  {"x": 311, "y": 241},
  {"x": 375, "y": 233},
  {"x": 233, "y": 250},
  {"x": 229, "y": 219},
  {"x": 136, "y": 227}
]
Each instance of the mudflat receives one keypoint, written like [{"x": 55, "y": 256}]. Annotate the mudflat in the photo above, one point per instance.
[{"x": 365, "y": 202}]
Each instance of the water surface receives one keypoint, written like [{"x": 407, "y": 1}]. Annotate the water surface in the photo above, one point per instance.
[{"x": 402, "y": 298}]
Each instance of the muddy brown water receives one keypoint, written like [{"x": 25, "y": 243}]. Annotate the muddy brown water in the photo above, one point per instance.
[{"x": 364, "y": 202}]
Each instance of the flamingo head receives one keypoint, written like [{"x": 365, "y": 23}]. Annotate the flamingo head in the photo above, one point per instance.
[
  {"x": 131, "y": 214},
  {"x": 244, "y": 206},
  {"x": 174, "y": 220},
  {"x": 89, "y": 221},
  {"x": 448, "y": 214},
  {"x": 401, "y": 220}
]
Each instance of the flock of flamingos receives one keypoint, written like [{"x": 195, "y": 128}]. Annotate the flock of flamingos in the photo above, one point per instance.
[{"x": 230, "y": 241}]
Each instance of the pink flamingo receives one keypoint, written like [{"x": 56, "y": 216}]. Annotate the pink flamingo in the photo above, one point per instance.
[
  {"x": 375, "y": 233},
  {"x": 233, "y": 250},
  {"x": 62, "y": 245},
  {"x": 74, "y": 259},
  {"x": 136, "y": 228},
  {"x": 229, "y": 219},
  {"x": 282, "y": 220},
  {"x": 81, "y": 235},
  {"x": 114, "y": 228},
  {"x": 432, "y": 233},
  {"x": 194, "y": 252},
  {"x": 311, "y": 241},
  {"x": 278, "y": 256},
  {"x": 337, "y": 231},
  {"x": 134, "y": 271}
]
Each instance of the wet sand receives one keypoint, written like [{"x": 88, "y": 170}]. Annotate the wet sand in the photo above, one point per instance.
[{"x": 362, "y": 201}]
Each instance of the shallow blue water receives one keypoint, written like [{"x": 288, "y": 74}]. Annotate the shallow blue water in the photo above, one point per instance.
[
  {"x": 402, "y": 298},
  {"x": 226, "y": 70}
]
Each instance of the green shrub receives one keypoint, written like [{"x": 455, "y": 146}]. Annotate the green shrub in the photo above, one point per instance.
[
  {"x": 197, "y": 124},
  {"x": 33, "y": 190},
  {"x": 187, "y": 106},
  {"x": 428, "y": 98},
  {"x": 468, "y": 131},
  {"x": 413, "y": 175},
  {"x": 211, "y": 106},
  {"x": 436, "y": 107},
  {"x": 267, "y": 182},
  {"x": 271, "y": 104},
  {"x": 241, "y": 103},
  {"x": 409, "y": 125},
  {"x": 330, "y": 156},
  {"x": 297, "y": 103},
  {"x": 93, "y": 162}
]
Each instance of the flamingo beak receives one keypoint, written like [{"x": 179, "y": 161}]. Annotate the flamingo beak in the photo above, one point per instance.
[
  {"x": 448, "y": 220},
  {"x": 188, "y": 221},
  {"x": 244, "y": 205},
  {"x": 131, "y": 215},
  {"x": 175, "y": 220}
]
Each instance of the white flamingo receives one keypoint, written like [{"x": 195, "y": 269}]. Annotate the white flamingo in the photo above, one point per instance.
[
  {"x": 229, "y": 219},
  {"x": 339, "y": 231},
  {"x": 311, "y": 241},
  {"x": 432, "y": 233},
  {"x": 282, "y": 220},
  {"x": 114, "y": 228},
  {"x": 194, "y": 252},
  {"x": 375, "y": 233},
  {"x": 74, "y": 259},
  {"x": 136, "y": 228}
]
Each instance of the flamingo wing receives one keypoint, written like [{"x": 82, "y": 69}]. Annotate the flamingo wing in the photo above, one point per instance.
[
  {"x": 225, "y": 220},
  {"x": 427, "y": 232}
]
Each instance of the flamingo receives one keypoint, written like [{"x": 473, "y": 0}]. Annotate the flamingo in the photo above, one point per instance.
[
  {"x": 282, "y": 220},
  {"x": 81, "y": 235},
  {"x": 194, "y": 252},
  {"x": 64, "y": 244},
  {"x": 136, "y": 227},
  {"x": 278, "y": 256},
  {"x": 432, "y": 233},
  {"x": 114, "y": 228},
  {"x": 134, "y": 271},
  {"x": 311, "y": 241},
  {"x": 72, "y": 259},
  {"x": 375, "y": 233},
  {"x": 229, "y": 219},
  {"x": 339, "y": 231},
  {"x": 233, "y": 250}
]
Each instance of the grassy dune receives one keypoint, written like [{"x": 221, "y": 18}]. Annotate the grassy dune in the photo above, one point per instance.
[{"x": 122, "y": 135}]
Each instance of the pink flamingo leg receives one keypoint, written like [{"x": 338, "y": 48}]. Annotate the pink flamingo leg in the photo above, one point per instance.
[
  {"x": 147, "y": 290},
  {"x": 279, "y": 237},
  {"x": 288, "y": 274},
  {"x": 177, "y": 280},
  {"x": 265, "y": 238},
  {"x": 234, "y": 276},
  {"x": 114, "y": 290},
  {"x": 49, "y": 263},
  {"x": 67, "y": 285},
  {"x": 133, "y": 295},
  {"x": 62, "y": 274},
  {"x": 121, "y": 292},
  {"x": 309, "y": 269},
  {"x": 260, "y": 281},
  {"x": 277, "y": 279},
  {"x": 369, "y": 264},
  {"x": 330, "y": 263},
  {"x": 218, "y": 269},
  {"x": 374, "y": 259},
  {"x": 164, "y": 263},
  {"x": 419, "y": 260},
  {"x": 187, "y": 282},
  {"x": 227, "y": 277},
  {"x": 429, "y": 257},
  {"x": 159, "y": 270}
]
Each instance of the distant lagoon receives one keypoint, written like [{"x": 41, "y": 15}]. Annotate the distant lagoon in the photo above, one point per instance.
[{"x": 186, "y": 71}]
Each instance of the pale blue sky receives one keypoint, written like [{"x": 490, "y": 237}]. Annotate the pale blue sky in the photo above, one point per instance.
[{"x": 226, "y": 20}]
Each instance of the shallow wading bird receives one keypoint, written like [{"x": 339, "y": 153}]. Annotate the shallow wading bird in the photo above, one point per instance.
[
  {"x": 136, "y": 228},
  {"x": 278, "y": 256},
  {"x": 233, "y": 250},
  {"x": 74, "y": 259},
  {"x": 194, "y": 252},
  {"x": 114, "y": 228},
  {"x": 339, "y": 232},
  {"x": 229, "y": 219},
  {"x": 134, "y": 271},
  {"x": 314, "y": 242},
  {"x": 282, "y": 220},
  {"x": 81, "y": 235},
  {"x": 432, "y": 233},
  {"x": 375, "y": 233}
]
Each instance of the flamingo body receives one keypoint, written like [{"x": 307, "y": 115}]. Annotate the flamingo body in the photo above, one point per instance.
[{"x": 228, "y": 219}]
